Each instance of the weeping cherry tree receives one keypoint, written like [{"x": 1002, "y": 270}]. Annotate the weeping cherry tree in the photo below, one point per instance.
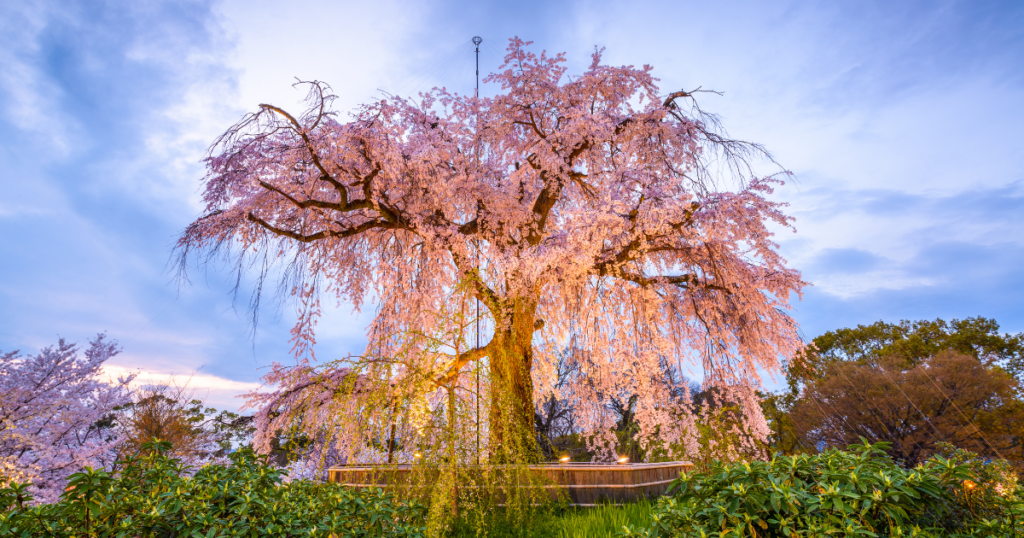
[{"x": 592, "y": 213}]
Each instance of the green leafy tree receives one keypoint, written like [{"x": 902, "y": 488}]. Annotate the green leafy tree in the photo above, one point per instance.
[
  {"x": 911, "y": 341},
  {"x": 947, "y": 397},
  {"x": 896, "y": 349},
  {"x": 784, "y": 438}
]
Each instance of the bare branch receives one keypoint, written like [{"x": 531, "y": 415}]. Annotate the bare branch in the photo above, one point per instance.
[{"x": 323, "y": 234}]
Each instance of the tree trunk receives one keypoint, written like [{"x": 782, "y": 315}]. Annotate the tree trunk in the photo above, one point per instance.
[{"x": 512, "y": 436}]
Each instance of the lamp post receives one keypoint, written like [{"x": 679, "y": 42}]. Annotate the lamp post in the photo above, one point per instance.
[{"x": 476, "y": 42}]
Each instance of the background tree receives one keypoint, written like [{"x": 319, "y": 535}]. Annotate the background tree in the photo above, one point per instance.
[
  {"x": 590, "y": 211},
  {"x": 908, "y": 342},
  {"x": 911, "y": 342},
  {"x": 946, "y": 397},
  {"x": 55, "y": 413},
  {"x": 171, "y": 413},
  {"x": 557, "y": 429},
  {"x": 783, "y": 439}
]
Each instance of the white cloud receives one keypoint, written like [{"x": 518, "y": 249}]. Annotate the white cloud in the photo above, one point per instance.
[
  {"x": 853, "y": 285},
  {"x": 215, "y": 391}
]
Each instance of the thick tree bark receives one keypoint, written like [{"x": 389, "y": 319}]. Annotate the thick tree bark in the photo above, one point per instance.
[{"x": 512, "y": 435}]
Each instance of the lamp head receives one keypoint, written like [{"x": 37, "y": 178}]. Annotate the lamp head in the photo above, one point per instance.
[{"x": 477, "y": 40}]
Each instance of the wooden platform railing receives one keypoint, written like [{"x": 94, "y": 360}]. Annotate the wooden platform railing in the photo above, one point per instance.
[{"x": 584, "y": 484}]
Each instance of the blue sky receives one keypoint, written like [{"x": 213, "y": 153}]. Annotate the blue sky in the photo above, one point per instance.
[{"x": 902, "y": 121}]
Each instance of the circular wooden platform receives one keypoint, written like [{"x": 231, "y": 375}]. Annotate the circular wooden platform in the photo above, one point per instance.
[{"x": 584, "y": 484}]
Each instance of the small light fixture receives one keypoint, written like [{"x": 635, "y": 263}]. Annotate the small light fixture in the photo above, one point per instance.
[
  {"x": 623, "y": 460},
  {"x": 418, "y": 456},
  {"x": 564, "y": 459},
  {"x": 969, "y": 484}
]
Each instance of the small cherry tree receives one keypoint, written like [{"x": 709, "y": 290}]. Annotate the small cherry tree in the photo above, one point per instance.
[
  {"x": 589, "y": 213},
  {"x": 56, "y": 414}
]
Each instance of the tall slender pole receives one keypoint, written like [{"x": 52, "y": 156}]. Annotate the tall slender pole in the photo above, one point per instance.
[
  {"x": 476, "y": 94},
  {"x": 476, "y": 41}
]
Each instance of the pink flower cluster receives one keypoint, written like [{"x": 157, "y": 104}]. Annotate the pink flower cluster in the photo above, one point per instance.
[{"x": 55, "y": 414}]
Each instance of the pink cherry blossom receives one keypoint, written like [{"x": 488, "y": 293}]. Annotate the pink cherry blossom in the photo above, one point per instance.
[
  {"x": 589, "y": 213},
  {"x": 53, "y": 411}
]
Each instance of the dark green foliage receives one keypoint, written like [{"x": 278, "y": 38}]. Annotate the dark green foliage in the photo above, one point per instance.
[
  {"x": 152, "y": 496},
  {"x": 859, "y": 492}
]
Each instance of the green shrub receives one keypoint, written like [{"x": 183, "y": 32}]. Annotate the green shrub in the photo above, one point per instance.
[
  {"x": 857, "y": 492},
  {"x": 153, "y": 496},
  {"x": 990, "y": 496}
]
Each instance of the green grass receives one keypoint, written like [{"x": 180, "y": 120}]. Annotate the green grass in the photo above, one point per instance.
[
  {"x": 603, "y": 521},
  {"x": 599, "y": 522}
]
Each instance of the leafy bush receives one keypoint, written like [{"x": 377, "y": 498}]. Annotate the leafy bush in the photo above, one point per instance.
[
  {"x": 991, "y": 496},
  {"x": 152, "y": 496},
  {"x": 857, "y": 492}
]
